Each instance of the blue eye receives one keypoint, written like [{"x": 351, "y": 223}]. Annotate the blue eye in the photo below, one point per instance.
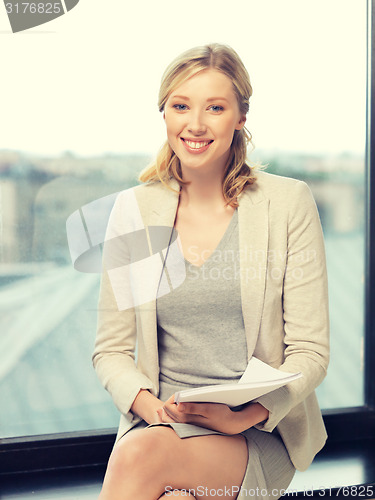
[
  {"x": 216, "y": 109},
  {"x": 180, "y": 107}
]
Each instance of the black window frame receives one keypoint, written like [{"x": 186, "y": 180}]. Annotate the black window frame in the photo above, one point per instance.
[{"x": 92, "y": 448}]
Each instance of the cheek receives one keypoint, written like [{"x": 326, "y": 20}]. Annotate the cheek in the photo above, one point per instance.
[
  {"x": 173, "y": 125},
  {"x": 172, "y": 132},
  {"x": 172, "y": 136},
  {"x": 226, "y": 128}
]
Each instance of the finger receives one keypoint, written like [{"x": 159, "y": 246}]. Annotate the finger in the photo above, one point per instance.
[
  {"x": 194, "y": 408},
  {"x": 172, "y": 413},
  {"x": 171, "y": 407},
  {"x": 197, "y": 420},
  {"x": 160, "y": 414},
  {"x": 165, "y": 417},
  {"x": 170, "y": 400}
]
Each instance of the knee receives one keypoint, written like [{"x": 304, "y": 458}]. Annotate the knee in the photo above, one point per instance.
[{"x": 140, "y": 450}]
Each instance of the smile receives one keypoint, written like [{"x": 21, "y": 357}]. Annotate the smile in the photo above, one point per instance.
[{"x": 197, "y": 146}]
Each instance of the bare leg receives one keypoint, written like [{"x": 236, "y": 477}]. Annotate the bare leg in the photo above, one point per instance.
[{"x": 147, "y": 464}]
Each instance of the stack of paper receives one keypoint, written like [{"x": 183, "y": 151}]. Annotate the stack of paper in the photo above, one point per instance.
[{"x": 257, "y": 380}]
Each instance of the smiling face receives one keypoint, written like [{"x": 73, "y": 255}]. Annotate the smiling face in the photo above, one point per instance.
[{"x": 201, "y": 116}]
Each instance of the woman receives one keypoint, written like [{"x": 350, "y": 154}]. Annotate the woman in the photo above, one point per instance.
[{"x": 245, "y": 277}]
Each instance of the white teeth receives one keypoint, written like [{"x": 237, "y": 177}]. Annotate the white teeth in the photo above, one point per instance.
[{"x": 197, "y": 145}]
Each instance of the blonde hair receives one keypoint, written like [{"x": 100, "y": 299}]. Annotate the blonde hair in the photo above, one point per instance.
[{"x": 238, "y": 174}]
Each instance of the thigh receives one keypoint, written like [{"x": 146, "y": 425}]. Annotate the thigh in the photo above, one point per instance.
[{"x": 207, "y": 466}]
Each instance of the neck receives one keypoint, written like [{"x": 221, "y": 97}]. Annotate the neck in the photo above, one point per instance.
[{"x": 204, "y": 193}]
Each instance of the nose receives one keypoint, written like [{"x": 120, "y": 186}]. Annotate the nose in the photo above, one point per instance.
[{"x": 196, "y": 125}]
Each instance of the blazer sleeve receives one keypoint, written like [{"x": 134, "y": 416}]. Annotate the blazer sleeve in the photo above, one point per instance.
[
  {"x": 305, "y": 308},
  {"x": 114, "y": 352}
]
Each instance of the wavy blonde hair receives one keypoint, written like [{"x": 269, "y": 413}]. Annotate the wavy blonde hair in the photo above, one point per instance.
[{"x": 238, "y": 174}]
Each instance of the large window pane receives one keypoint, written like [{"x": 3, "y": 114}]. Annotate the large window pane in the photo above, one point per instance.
[
  {"x": 337, "y": 182},
  {"x": 86, "y": 130}
]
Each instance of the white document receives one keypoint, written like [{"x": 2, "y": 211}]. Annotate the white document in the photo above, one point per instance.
[{"x": 257, "y": 380}]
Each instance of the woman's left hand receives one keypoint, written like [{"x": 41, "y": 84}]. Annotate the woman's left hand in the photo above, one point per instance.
[{"x": 216, "y": 416}]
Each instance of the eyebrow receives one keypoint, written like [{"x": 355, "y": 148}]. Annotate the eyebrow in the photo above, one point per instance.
[
  {"x": 217, "y": 99},
  {"x": 211, "y": 99}
]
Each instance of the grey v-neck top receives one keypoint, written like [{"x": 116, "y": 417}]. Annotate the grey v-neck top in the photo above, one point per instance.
[{"x": 201, "y": 333}]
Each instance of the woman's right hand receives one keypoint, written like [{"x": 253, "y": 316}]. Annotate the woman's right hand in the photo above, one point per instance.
[{"x": 150, "y": 408}]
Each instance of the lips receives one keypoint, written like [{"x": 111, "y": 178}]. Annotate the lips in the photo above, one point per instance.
[{"x": 196, "y": 146}]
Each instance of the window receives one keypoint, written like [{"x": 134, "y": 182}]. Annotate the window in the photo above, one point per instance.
[{"x": 307, "y": 117}]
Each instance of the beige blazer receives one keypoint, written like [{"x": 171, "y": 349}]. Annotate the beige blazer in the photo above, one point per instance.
[{"x": 283, "y": 292}]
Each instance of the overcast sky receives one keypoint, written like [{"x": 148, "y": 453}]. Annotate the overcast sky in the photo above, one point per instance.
[{"x": 88, "y": 81}]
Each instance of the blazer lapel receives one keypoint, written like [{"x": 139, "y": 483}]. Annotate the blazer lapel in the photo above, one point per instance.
[
  {"x": 159, "y": 226},
  {"x": 253, "y": 242}
]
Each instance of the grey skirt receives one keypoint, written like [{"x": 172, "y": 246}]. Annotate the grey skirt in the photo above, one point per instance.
[{"x": 269, "y": 469}]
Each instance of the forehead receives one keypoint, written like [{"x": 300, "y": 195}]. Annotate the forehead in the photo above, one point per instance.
[{"x": 207, "y": 83}]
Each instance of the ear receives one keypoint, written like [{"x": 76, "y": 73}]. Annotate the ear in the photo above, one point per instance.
[
  {"x": 240, "y": 125},
  {"x": 163, "y": 115}
]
